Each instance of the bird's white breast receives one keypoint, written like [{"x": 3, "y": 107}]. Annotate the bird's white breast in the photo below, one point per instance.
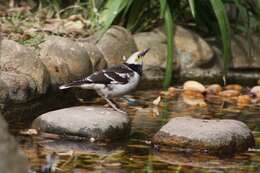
[{"x": 113, "y": 90}]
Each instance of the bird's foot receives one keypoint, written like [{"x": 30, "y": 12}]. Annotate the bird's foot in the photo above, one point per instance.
[{"x": 114, "y": 105}]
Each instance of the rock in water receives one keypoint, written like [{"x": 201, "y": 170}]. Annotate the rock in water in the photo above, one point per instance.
[
  {"x": 91, "y": 122},
  {"x": 194, "y": 86},
  {"x": 214, "y": 136},
  {"x": 11, "y": 160}
]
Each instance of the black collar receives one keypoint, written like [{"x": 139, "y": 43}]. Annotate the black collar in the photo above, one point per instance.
[{"x": 135, "y": 67}]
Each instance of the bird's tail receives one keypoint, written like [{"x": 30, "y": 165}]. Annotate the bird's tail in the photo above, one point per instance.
[
  {"x": 68, "y": 85},
  {"x": 73, "y": 84}
]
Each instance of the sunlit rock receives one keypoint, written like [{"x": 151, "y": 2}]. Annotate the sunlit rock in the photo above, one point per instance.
[
  {"x": 236, "y": 87},
  {"x": 213, "y": 89},
  {"x": 213, "y": 136},
  {"x": 172, "y": 90},
  {"x": 229, "y": 93},
  {"x": 193, "y": 98},
  {"x": 243, "y": 100},
  {"x": 116, "y": 43},
  {"x": 64, "y": 59},
  {"x": 91, "y": 122},
  {"x": 256, "y": 91},
  {"x": 194, "y": 86},
  {"x": 194, "y": 102}
]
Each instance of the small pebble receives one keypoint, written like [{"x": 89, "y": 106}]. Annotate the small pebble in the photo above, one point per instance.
[
  {"x": 256, "y": 91},
  {"x": 92, "y": 140},
  {"x": 236, "y": 87},
  {"x": 214, "y": 89},
  {"x": 193, "y": 94},
  {"x": 171, "y": 90},
  {"x": 243, "y": 100},
  {"x": 229, "y": 93},
  {"x": 194, "y": 86}
]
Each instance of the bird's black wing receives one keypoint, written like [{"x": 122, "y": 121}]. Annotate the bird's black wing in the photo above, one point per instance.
[{"x": 115, "y": 75}]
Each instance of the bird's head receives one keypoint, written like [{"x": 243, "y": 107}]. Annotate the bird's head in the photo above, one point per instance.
[{"x": 137, "y": 57}]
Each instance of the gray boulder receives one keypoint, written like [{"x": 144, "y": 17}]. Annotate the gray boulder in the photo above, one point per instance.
[
  {"x": 16, "y": 87},
  {"x": 244, "y": 55},
  {"x": 65, "y": 60},
  {"x": 213, "y": 136},
  {"x": 116, "y": 43},
  {"x": 22, "y": 63},
  {"x": 196, "y": 57},
  {"x": 12, "y": 161},
  {"x": 155, "y": 59},
  {"x": 91, "y": 122},
  {"x": 96, "y": 57}
]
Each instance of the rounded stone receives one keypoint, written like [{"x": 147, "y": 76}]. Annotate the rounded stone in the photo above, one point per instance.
[
  {"x": 116, "y": 43},
  {"x": 194, "y": 86},
  {"x": 65, "y": 60},
  {"x": 214, "y": 136},
  {"x": 16, "y": 58},
  {"x": 91, "y": 122},
  {"x": 16, "y": 88},
  {"x": 96, "y": 57}
]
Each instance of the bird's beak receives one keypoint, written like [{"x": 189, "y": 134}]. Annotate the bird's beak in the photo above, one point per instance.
[{"x": 142, "y": 53}]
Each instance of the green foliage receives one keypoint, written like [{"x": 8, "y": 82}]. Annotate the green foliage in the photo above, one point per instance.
[
  {"x": 166, "y": 13},
  {"x": 211, "y": 16},
  {"x": 218, "y": 18},
  {"x": 223, "y": 23}
]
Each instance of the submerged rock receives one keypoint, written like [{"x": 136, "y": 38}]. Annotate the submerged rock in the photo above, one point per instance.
[
  {"x": 116, "y": 43},
  {"x": 91, "y": 122},
  {"x": 12, "y": 161},
  {"x": 214, "y": 136},
  {"x": 65, "y": 60}
]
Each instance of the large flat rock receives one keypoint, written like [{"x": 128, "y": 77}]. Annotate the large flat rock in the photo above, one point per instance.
[
  {"x": 91, "y": 122},
  {"x": 214, "y": 136}
]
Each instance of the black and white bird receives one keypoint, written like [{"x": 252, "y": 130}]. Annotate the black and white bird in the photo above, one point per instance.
[{"x": 114, "y": 81}]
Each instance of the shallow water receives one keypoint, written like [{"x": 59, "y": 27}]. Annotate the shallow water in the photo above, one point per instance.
[{"x": 136, "y": 154}]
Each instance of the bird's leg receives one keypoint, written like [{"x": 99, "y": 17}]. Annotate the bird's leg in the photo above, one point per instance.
[{"x": 114, "y": 106}]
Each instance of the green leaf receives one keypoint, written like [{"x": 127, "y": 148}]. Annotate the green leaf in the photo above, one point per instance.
[
  {"x": 163, "y": 4},
  {"x": 220, "y": 12},
  {"x": 135, "y": 14},
  {"x": 169, "y": 33},
  {"x": 110, "y": 12},
  {"x": 192, "y": 8}
]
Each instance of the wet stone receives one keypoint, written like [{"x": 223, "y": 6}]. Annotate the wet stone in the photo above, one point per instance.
[
  {"x": 91, "y": 122},
  {"x": 214, "y": 136},
  {"x": 12, "y": 161}
]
